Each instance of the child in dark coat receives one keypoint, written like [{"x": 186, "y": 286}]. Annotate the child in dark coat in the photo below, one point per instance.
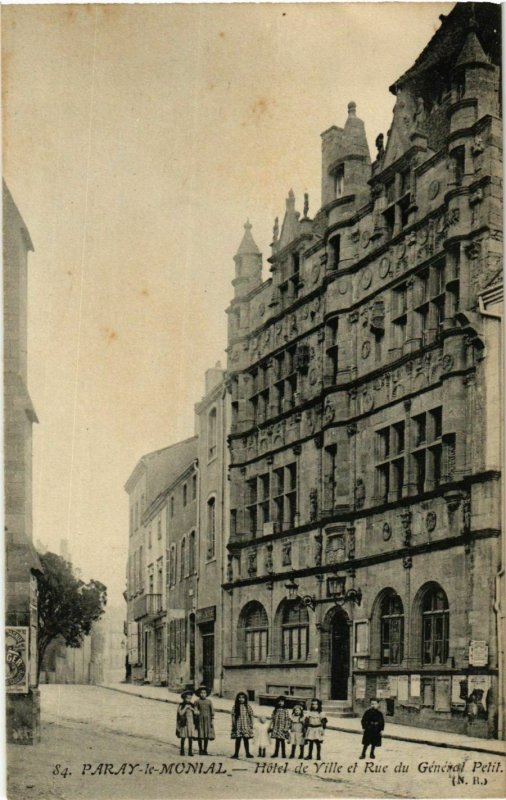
[{"x": 373, "y": 723}]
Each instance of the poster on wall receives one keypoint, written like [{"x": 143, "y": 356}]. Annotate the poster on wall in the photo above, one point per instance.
[
  {"x": 478, "y": 654},
  {"x": 360, "y": 687},
  {"x": 383, "y": 687},
  {"x": 459, "y": 690},
  {"x": 415, "y": 686},
  {"x": 16, "y": 660},
  {"x": 392, "y": 680},
  {"x": 442, "y": 694},
  {"x": 402, "y": 688}
]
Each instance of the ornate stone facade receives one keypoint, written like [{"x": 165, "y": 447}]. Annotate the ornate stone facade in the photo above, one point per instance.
[{"x": 362, "y": 409}]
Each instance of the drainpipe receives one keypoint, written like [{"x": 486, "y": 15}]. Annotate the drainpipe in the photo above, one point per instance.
[{"x": 221, "y": 554}]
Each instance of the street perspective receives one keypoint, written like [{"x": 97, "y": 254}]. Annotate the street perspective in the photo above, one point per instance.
[{"x": 253, "y": 401}]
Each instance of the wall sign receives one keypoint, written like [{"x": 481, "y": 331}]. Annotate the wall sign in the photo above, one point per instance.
[
  {"x": 205, "y": 615},
  {"x": 478, "y": 654},
  {"x": 16, "y": 660}
]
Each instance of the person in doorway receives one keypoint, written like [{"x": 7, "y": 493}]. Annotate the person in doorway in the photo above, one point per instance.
[
  {"x": 314, "y": 728},
  {"x": 205, "y": 724},
  {"x": 262, "y": 736},
  {"x": 242, "y": 724},
  {"x": 297, "y": 731},
  {"x": 373, "y": 723},
  {"x": 186, "y": 721},
  {"x": 279, "y": 727}
]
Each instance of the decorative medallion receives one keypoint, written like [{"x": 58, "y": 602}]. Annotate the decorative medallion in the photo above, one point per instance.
[
  {"x": 305, "y": 312},
  {"x": 433, "y": 190},
  {"x": 447, "y": 362},
  {"x": 365, "y": 239},
  {"x": 430, "y": 521},
  {"x": 387, "y": 532},
  {"x": 366, "y": 278},
  {"x": 367, "y": 401},
  {"x": 384, "y": 266},
  {"x": 313, "y": 376},
  {"x": 315, "y": 273},
  {"x": 401, "y": 250},
  {"x": 342, "y": 286},
  {"x": 366, "y": 348},
  {"x": 423, "y": 235},
  {"x": 328, "y": 414},
  {"x": 279, "y": 328}
]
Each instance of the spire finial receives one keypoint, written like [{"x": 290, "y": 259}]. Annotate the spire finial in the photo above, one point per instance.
[
  {"x": 352, "y": 109},
  {"x": 247, "y": 225},
  {"x": 275, "y": 230},
  {"x": 306, "y": 204}
]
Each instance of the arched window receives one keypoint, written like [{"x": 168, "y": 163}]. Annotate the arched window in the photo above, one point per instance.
[
  {"x": 435, "y": 626},
  {"x": 392, "y": 629},
  {"x": 211, "y": 434},
  {"x": 295, "y": 632},
  {"x": 183, "y": 558},
  {"x": 254, "y": 627},
  {"x": 172, "y": 566},
  {"x": 191, "y": 553},
  {"x": 211, "y": 527}
]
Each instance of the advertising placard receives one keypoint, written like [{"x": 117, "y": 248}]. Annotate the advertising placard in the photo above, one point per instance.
[{"x": 16, "y": 660}]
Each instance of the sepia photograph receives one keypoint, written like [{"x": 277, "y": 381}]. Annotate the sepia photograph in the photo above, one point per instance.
[{"x": 253, "y": 400}]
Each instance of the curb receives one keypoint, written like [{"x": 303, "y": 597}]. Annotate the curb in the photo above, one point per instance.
[{"x": 330, "y": 726}]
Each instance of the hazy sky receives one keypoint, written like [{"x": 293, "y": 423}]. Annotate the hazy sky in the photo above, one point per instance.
[{"x": 137, "y": 140}]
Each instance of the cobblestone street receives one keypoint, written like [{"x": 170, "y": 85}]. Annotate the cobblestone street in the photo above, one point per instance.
[{"x": 98, "y": 743}]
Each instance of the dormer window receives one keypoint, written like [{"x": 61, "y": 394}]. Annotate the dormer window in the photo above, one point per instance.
[{"x": 339, "y": 181}]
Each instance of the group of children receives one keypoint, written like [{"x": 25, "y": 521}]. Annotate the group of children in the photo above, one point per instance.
[{"x": 298, "y": 727}]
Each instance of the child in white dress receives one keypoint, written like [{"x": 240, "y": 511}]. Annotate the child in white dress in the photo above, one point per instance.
[{"x": 262, "y": 736}]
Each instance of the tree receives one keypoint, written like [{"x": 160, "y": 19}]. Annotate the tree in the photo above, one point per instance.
[{"x": 67, "y": 606}]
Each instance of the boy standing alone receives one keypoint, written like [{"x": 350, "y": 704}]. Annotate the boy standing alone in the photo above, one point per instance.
[{"x": 373, "y": 723}]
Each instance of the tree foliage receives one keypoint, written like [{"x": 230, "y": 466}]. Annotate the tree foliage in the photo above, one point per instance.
[{"x": 67, "y": 606}]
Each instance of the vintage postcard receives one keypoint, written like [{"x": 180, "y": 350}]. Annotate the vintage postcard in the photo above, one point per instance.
[{"x": 253, "y": 364}]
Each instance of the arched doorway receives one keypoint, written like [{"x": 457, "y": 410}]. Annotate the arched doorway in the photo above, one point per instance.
[{"x": 339, "y": 655}]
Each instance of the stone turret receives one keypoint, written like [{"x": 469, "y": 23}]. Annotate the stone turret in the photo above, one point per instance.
[
  {"x": 346, "y": 163},
  {"x": 248, "y": 265}
]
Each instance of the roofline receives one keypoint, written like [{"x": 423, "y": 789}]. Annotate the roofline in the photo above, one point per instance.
[{"x": 142, "y": 461}]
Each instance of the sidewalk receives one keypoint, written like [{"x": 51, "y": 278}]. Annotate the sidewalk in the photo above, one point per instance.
[{"x": 404, "y": 733}]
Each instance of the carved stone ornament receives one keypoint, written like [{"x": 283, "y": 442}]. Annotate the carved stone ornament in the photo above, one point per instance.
[
  {"x": 473, "y": 250},
  {"x": 355, "y": 236},
  {"x": 313, "y": 376},
  {"x": 366, "y": 349},
  {"x": 230, "y": 570},
  {"x": 313, "y": 505},
  {"x": 476, "y": 197},
  {"x": 329, "y": 413},
  {"x": 252, "y": 562},
  {"x": 315, "y": 273},
  {"x": 430, "y": 520},
  {"x": 366, "y": 278},
  {"x": 477, "y": 146},
  {"x": 401, "y": 250},
  {"x": 342, "y": 286},
  {"x": 407, "y": 562},
  {"x": 384, "y": 267},
  {"x": 351, "y": 542},
  {"x": 406, "y": 517},
  {"x": 386, "y": 531},
  {"x": 351, "y": 428},
  {"x": 286, "y": 554},
  {"x": 433, "y": 190},
  {"x": 447, "y": 362},
  {"x": 359, "y": 493},
  {"x": 261, "y": 309},
  {"x": 365, "y": 239},
  {"x": 268, "y": 564},
  {"x": 318, "y": 549},
  {"x": 367, "y": 401}
]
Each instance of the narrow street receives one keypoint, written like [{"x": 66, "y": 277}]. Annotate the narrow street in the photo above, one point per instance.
[{"x": 98, "y": 743}]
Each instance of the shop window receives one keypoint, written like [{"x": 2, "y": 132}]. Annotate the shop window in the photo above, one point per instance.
[{"x": 294, "y": 632}]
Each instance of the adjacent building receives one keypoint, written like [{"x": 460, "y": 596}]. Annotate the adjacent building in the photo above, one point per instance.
[
  {"x": 22, "y": 562},
  {"x": 146, "y": 592},
  {"x": 365, "y": 443},
  {"x": 212, "y": 424}
]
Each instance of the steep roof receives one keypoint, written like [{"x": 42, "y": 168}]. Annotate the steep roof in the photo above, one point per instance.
[
  {"x": 163, "y": 466},
  {"x": 445, "y": 46},
  {"x": 248, "y": 245}
]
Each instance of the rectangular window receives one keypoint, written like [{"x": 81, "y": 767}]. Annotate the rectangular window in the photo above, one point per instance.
[
  {"x": 390, "y": 444},
  {"x": 428, "y": 449}
]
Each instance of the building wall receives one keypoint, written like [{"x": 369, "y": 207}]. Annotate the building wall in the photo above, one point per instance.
[
  {"x": 181, "y": 578},
  {"x": 363, "y": 382},
  {"x": 22, "y": 563},
  {"x": 212, "y": 425}
]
